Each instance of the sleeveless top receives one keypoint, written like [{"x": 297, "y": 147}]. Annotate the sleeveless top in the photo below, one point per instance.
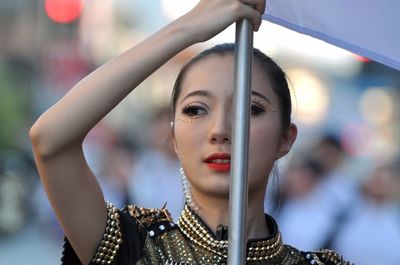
[{"x": 140, "y": 236}]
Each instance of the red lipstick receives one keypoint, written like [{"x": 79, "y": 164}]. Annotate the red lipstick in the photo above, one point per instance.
[{"x": 219, "y": 162}]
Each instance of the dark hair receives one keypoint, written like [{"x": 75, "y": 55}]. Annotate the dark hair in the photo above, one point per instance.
[
  {"x": 275, "y": 74},
  {"x": 333, "y": 141}
]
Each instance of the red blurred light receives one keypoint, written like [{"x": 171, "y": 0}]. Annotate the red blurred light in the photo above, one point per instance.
[
  {"x": 361, "y": 58},
  {"x": 63, "y": 11}
]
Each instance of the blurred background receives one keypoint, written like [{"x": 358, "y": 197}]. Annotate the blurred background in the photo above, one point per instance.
[{"x": 338, "y": 188}]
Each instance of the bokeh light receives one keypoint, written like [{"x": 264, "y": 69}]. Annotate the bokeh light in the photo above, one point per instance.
[
  {"x": 63, "y": 11},
  {"x": 311, "y": 96},
  {"x": 376, "y": 106}
]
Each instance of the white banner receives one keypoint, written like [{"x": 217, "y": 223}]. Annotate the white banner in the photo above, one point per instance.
[{"x": 370, "y": 28}]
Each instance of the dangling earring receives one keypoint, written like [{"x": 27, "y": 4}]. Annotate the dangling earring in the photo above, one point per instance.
[{"x": 187, "y": 191}]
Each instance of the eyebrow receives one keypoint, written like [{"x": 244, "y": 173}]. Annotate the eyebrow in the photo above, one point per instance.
[
  {"x": 205, "y": 93},
  {"x": 202, "y": 93}
]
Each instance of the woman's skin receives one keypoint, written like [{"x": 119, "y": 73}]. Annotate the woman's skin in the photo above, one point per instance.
[
  {"x": 57, "y": 136},
  {"x": 203, "y": 118}
]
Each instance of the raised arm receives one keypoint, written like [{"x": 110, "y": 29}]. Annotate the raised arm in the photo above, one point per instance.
[{"x": 58, "y": 134}]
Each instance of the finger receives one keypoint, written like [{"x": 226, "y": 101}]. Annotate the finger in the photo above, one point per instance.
[
  {"x": 257, "y": 4},
  {"x": 253, "y": 15},
  {"x": 257, "y": 23}
]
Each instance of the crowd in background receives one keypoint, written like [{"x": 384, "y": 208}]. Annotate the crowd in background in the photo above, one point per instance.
[
  {"x": 339, "y": 188},
  {"x": 320, "y": 204}
]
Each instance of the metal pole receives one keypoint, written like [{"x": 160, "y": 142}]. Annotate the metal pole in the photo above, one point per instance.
[{"x": 240, "y": 143}]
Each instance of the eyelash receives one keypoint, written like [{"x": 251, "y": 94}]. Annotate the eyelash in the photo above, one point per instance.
[
  {"x": 193, "y": 110},
  {"x": 256, "y": 109}
]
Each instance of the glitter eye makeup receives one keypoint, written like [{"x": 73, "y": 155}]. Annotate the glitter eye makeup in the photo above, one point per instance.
[
  {"x": 183, "y": 120},
  {"x": 258, "y": 100},
  {"x": 263, "y": 106}
]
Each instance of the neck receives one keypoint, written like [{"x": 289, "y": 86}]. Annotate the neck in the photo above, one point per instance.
[{"x": 215, "y": 211}]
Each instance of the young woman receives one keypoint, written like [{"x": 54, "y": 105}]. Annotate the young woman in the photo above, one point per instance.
[{"x": 98, "y": 233}]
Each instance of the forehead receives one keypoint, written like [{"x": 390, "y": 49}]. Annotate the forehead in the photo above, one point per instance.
[{"x": 216, "y": 73}]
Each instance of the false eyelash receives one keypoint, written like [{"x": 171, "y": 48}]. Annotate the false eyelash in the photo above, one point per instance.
[
  {"x": 257, "y": 109},
  {"x": 190, "y": 109}
]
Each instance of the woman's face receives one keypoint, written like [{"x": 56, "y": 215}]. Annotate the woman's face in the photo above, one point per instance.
[{"x": 203, "y": 122}]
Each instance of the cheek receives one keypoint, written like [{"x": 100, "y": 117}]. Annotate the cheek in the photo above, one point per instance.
[
  {"x": 180, "y": 138},
  {"x": 264, "y": 139},
  {"x": 262, "y": 154},
  {"x": 187, "y": 138}
]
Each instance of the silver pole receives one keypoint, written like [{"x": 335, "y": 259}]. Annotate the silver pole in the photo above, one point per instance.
[{"x": 240, "y": 143}]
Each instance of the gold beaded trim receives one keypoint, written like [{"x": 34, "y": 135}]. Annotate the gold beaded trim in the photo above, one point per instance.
[
  {"x": 112, "y": 238},
  {"x": 264, "y": 250},
  {"x": 198, "y": 234},
  {"x": 332, "y": 256},
  {"x": 147, "y": 217}
]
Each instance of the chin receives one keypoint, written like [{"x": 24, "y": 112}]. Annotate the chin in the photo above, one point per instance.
[
  {"x": 220, "y": 193},
  {"x": 213, "y": 188}
]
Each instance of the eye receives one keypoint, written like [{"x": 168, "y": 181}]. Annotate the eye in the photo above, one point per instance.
[
  {"x": 256, "y": 110},
  {"x": 194, "y": 111}
]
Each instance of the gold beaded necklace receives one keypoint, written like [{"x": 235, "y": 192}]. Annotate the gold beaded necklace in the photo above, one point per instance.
[{"x": 196, "y": 231}]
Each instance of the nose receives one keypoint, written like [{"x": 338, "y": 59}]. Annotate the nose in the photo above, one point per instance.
[{"x": 220, "y": 128}]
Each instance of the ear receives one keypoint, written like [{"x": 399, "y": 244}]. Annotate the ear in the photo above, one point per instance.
[{"x": 287, "y": 140}]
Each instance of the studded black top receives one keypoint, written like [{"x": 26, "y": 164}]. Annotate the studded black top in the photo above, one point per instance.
[{"x": 149, "y": 236}]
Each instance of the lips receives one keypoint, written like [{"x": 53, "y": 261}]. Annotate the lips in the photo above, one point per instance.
[{"x": 219, "y": 162}]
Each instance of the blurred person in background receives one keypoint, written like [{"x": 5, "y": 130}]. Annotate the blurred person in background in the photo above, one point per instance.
[
  {"x": 157, "y": 166},
  {"x": 369, "y": 233},
  {"x": 96, "y": 231},
  {"x": 317, "y": 192},
  {"x": 13, "y": 202},
  {"x": 300, "y": 179},
  {"x": 338, "y": 187},
  {"x": 117, "y": 164},
  {"x": 298, "y": 201}
]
